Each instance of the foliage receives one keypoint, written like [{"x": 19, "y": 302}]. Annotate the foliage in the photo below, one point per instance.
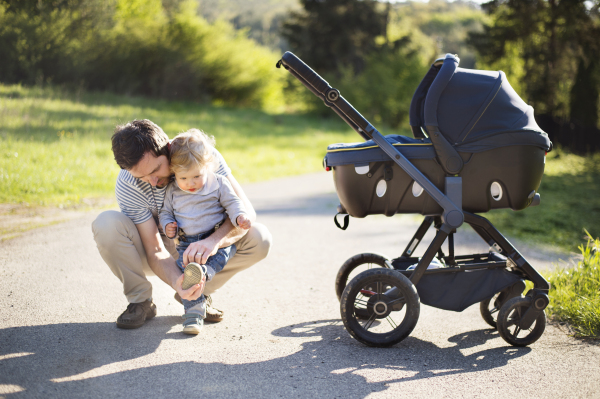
[
  {"x": 348, "y": 42},
  {"x": 575, "y": 292},
  {"x": 334, "y": 34},
  {"x": 439, "y": 25},
  {"x": 570, "y": 192},
  {"x": 55, "y": 144},
  {"x": 261, "y": 18},
  {"x": 557, "y": 46},
  {"x": 384, "y": 90},
  {"x": 136, "y": 47}
]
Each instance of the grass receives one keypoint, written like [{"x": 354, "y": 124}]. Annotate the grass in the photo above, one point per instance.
[
  {"x": 575, "y": 292},
  {"x": 570, "y": 194},
  {"x": 55, "y": 150},
  {"x": 55, "y": 145}
]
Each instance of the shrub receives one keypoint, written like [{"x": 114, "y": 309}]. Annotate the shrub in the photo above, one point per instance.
[
  {"x": 575, "y": 292},
  {"x": 135, "y": 47}
]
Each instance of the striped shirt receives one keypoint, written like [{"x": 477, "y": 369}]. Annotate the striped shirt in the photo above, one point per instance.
[{"x": 139, "y": 201}]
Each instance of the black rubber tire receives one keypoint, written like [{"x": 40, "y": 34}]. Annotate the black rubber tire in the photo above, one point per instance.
[
  {"x": 351, "y": 264},
  {"x": 390, "y": 277},
  {"x": 489, "y": 316},
  {"x": 510, "y": 314}
]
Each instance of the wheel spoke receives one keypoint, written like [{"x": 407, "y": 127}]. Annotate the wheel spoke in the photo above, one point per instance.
[
  {"x": 369, "y": 322},
  {"x": 494, "y": 310},
  {"x": 392, "y": 323},
  {"x": 379, "y": 288},
  {"x": 360, "y": 302},
  {"x": 517, "y": 331}
]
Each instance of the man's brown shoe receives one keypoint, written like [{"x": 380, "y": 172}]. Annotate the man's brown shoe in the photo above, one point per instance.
[
  {"x": 136, "y": 314},
  {"x": 212, "y": 315}
]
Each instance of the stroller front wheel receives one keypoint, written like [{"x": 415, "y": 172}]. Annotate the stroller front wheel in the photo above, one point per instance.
[
  {"x": 509, "y": 319},
  {"x": 380, "y": 307},
  {"x": 355, "y": 265}
]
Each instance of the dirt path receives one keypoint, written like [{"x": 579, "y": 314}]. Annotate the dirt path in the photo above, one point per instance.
[{"x": 282, "y": 336}]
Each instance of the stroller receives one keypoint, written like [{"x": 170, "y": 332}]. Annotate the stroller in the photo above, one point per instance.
[{"x": 476, "y": 147}]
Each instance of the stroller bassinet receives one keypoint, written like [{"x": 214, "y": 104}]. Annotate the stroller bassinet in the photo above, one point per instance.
[
  {"x": 476, "y": 147},
  {"x": 492, "y": 130}
]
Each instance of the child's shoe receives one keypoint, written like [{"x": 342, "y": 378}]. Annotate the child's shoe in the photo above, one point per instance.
[
  {"x": 192, "y": 275},
  {"x": 192, "y": 323}
]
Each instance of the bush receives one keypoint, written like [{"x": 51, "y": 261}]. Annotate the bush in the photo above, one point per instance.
[
  {"x": 135, "y": 47},
  {"x": 575, "y": 292},
  {"x": 384, "y": 90}
]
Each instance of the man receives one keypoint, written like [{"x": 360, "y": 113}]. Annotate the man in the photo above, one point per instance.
[{"x": 133, "y": 246}]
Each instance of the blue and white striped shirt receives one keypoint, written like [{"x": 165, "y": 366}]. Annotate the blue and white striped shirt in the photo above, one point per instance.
[{"x": 140, "y": 201}]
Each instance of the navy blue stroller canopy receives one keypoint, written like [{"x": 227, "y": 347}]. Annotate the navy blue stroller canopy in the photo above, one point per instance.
[{"x": 476, "y": 111}]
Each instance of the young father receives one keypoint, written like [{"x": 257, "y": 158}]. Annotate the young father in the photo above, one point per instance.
[{"x": 132, "y": 243}]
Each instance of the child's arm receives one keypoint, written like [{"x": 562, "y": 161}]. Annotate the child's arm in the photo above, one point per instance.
[
  {"x": 166, "y": 216},
  {"x": 243, "y": 221},
  {"x": 233, "y": 205}
]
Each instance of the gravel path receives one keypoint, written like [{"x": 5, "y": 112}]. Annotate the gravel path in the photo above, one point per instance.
[{"x": 282, "y": 336}]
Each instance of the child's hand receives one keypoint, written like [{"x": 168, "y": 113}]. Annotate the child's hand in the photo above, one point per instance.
[
  {"x": 171, "y": 229},
  {"x": 243, "y": 222}
]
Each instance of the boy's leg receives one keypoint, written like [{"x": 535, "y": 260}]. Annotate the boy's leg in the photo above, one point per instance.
[{"x": 251, "y": 249}]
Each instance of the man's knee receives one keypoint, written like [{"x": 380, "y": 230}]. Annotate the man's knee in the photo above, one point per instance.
[
  {"x": 109, "y": 225},
  {"x": 262, "y": 240}
]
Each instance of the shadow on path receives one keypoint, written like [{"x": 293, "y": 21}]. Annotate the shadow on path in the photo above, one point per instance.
[{"x": 329, "y": 364}]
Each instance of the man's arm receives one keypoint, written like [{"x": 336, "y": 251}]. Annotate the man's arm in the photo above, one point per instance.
[
  {"x": 227, "y": 234},
  {"x": 162, "y": 263}
]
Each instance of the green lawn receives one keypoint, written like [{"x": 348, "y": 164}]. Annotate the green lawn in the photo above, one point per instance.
[
  {"x": 55, "y": 150},
  {"x": 575, "y": 292},
  {"x": 55, "y": 146},
  {"x": 570, "y": 203}
]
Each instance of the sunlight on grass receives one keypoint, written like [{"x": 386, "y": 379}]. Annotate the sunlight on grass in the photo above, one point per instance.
[
  {"x": 55, "y": 145},
  {"x": 570, "y": 203},
  {"x": 575, "y": 292},
  {"x": 55, "y": 150}
]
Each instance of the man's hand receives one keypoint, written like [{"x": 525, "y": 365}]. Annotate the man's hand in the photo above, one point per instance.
[
  {"x": 244, "y": 222},
  {"x": 171, "y": 229},
  {"x": 191, "y": 293},
  {"x": 200, "y": 251}
]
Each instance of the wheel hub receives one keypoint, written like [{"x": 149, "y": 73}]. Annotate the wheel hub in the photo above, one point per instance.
[{"x": 379, "y": 304}]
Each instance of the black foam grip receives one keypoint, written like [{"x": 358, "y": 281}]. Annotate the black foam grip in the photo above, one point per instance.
[
  {"x": 319, "y": 87},
  {"x": 290, "y": 60}
]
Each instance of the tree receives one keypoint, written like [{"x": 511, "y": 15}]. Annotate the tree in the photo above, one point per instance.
[
  {"x": 558, "y": 42},
  {"x": 333, "y": 34}
]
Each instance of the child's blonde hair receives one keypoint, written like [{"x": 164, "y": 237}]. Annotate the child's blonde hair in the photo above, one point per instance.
[{"x": 192, "y": 149}]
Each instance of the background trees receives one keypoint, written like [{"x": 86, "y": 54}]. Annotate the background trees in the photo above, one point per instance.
[
  {"x": 552, "y": 48},
  {"x": 134, "y": 46},
  {"x": 374, "y": 51}
]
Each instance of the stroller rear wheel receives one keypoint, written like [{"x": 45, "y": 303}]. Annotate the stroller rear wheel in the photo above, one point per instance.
[
  {"x": 380, "y": 307},
  {"x": 509, "y": 318},
  {"x": 490, "y": 307},
  {"x": 354, "y": 266}
]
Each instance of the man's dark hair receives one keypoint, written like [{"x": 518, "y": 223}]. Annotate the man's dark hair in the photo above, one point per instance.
[{"x": 132, "y": 140}]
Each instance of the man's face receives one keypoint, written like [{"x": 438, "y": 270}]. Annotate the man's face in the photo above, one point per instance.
[{"x": 152, "y": 169}]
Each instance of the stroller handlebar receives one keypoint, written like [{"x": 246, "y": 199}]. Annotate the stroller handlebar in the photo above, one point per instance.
[
  {"x": 453, "y": 216},
  {"x": 330, "y": 96}
]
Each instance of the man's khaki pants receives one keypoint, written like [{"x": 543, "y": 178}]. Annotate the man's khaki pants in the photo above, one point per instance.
[{"x": 121, "y": 248}]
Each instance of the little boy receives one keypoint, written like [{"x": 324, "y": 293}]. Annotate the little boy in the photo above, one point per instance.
[{"x": 196, "y": 203}]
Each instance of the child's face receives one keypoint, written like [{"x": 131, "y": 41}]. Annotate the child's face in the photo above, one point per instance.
[{"x": 191, "y": 180}]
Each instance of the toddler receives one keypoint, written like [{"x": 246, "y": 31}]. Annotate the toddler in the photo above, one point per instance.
[{"x": 196, "y": 202}]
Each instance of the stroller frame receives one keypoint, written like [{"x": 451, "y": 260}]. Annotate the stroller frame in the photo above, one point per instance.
[{"x": 446, "y": 223}]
